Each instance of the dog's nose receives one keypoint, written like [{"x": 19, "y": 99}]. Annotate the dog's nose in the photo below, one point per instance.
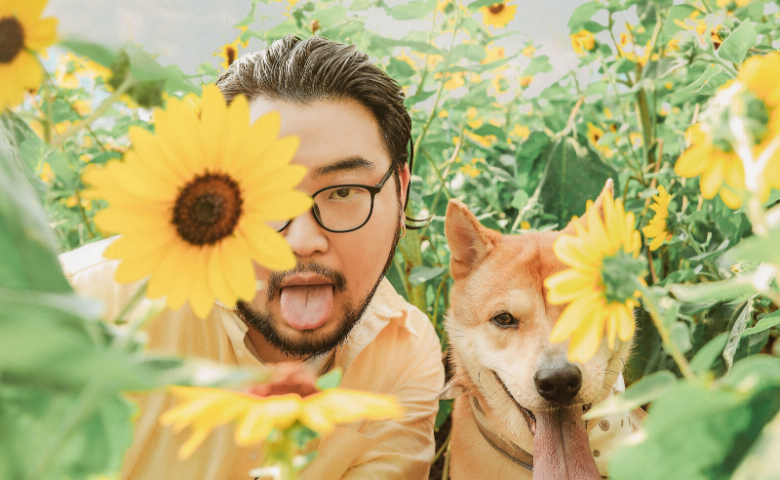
[{"x": 558, "y": 382}]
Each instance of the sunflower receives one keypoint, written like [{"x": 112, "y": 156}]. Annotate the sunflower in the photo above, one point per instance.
[
  {"x": 582, "y": 42},
  {"x": 229, "y": 53},
  {"x": 759, "y": 74},
  {"x": 656, "y": 229},
  {"x": 602, "y": 283},
  {"x": 594, "y": 135},
  {"x": 525, "y": 81},
  {"x": 22, "y": 32},
  {"x": 257, "y": 414},
  {"x": 192, "y": 202},
  {"x": 498, "y": 15}
]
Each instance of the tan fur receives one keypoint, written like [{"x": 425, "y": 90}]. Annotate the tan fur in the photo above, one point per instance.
[{"x": 495, "y": 274}]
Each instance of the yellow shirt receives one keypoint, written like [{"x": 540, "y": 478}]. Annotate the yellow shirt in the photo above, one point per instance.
[{"x": 393, "y": 350}]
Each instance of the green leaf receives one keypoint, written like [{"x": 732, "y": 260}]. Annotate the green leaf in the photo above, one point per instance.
[
  {"x": 765, "y": 323},
  {"x": 330, "y": 380},
  {"x": 721, "y": 291},
  {"x": 582, "y": 15},
  {"x": 520, "y": 199},
  {"x": 680, "y": 336},
  {"x": 677, "y": 12},
  {"x": 698, "y": 431},
  {"x": 572, "y": 175},
  {"x": 27, "y": 258},
  {"x": 489, "y": 129},
  {"x": 445, "y": 408},
  {"x": 384, "y": 44},
  {"x": 418, "y": 9},
  {"x": 421, "y": 274},
  {"x": 736, "y": 333},
  {"x": 469, "y": 50},
  {"x": 646, "y": 390},
  {"x": 706, "y": 355},
  {"x": 761, "y": 461},
  {"x": 93, "y": 51},
  {"x": 736, "y": 46},
  {"x": 476, "y": 5},
  {"x": 540, "y": 64}
]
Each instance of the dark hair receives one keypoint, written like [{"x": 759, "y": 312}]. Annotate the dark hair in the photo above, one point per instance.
[{"x": 306, "y": 70}]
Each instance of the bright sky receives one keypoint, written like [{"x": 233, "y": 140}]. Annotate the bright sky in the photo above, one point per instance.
[{"x": 187, "y": 32}]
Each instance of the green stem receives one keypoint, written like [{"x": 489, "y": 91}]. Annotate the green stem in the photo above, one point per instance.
[
  {"x": 83, "y": 407},
  {"x": 674, "y": 352},
  {"x": 97, "y": 113},
  {"x": 443, "y": 447},
  {"x": 445, "y": 474},
  {"x": 83, "y": 213}
]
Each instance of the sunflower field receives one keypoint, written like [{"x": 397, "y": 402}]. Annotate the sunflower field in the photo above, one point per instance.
[{"x": 678, "y": 102}]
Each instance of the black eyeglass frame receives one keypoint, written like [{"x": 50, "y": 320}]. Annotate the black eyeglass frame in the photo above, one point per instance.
[{"x": 373, "y": 190}]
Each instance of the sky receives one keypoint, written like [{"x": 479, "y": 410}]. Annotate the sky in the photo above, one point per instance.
[{"x": 188, "y": 32}]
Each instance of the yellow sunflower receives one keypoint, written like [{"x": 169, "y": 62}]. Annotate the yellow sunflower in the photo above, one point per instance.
[
  {"x": 601, "y": 285},
  {"x": 525, "y": 81},
  {"x": 498, "y": 15},
  {"x": 656, "y": 229},
  {"x": 229, "y": 53},
  {"x": 192, "y": 201},
  {"x": 205, "y": 409},
  {"x": 594, "y": 135},
  {"x": 22, "y": 33},
  {"x": 721, "y": 172},
  {"x": 582, "y": 42},
  {"x": 759, "y": 74}
]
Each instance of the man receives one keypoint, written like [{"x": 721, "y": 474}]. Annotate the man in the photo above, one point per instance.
[{"x": 335, "y": 309}]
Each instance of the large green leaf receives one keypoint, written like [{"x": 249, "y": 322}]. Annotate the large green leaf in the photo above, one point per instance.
[
  {"x": 573, "y": 175},
  {"x": 736, "y": 46},
  {"x": 698, "y": 431},
  {"x": 27, "y": 258}
]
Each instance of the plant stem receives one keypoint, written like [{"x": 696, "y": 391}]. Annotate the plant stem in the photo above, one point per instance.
[
  {"x": 678, "y": 357},
  {"x": 443, "y": 447},
  {"x": 83, "y": 213},
  {"x": 97, "y": 113},
  {"x": 83, "y": 407},
  {"x": 445, "y": 474}
]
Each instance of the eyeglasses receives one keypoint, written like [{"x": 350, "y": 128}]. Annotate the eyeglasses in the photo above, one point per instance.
[{"x": 342, "y": 208}]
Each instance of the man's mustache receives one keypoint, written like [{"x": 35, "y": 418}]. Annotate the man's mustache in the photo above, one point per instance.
[{"x": 276, "y": 278}]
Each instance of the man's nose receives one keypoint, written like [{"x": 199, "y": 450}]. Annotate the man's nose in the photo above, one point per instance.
[
  {"x": 305, "y": 236},
  {"x": 558, "y": 382}
]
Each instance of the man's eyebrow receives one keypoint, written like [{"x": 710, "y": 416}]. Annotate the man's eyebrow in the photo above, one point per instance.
[{"x": 350, "y": 163}]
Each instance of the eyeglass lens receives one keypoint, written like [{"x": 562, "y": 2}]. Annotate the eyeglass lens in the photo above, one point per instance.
[{"x": 338, "y": 208}]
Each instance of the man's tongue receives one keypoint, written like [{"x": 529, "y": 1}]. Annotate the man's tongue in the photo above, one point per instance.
[
  {"x": 306, "y": 306},
  {"x": 561, "y": 448}
]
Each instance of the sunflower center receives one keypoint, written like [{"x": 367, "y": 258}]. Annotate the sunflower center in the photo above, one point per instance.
[
  {"x": 208, "y": 209},
  {"x": 496, "y": 9},
  {"x": 230, "y": 55},
  {"x": 620, "y": 273},
  {"x": 11, "y": 39}
]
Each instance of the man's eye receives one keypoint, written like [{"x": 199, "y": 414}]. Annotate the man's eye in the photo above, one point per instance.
[
  {"x": 504, "y": 320},
  {"x": 344, "y": 193}
]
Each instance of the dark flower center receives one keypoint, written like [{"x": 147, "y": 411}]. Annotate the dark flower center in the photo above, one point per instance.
[
  {"x": 496, "y": 9},
  {"x": 230, "y": 55},
  {"x": 11, "y": 39},
  {"x": 208, "y": 209}
]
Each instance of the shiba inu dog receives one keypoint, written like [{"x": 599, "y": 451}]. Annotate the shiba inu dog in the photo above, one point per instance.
[{"x": 519, "y": 401}]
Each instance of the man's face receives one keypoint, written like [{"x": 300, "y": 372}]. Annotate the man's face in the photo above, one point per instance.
[{"x": 311, "y": 309}]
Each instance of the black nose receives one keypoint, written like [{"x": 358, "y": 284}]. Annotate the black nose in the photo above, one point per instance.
[{"x": 558, "y": 382}]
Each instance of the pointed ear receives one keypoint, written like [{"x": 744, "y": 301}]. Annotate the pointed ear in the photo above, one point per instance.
[
  {"x": 598, "y": 205},
  {"x": 469, "y": 241}
]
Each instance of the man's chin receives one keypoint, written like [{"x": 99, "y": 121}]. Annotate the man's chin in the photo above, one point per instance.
[{"x": 300, "y": 343}]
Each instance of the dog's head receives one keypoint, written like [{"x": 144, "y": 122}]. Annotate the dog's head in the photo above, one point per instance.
[{"x": 499, "y": 326}]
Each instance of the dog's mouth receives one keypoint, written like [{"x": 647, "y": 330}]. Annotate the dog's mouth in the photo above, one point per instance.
[
  {"x": 561, "y": 446},
  {"x": 529, "y": 416}
]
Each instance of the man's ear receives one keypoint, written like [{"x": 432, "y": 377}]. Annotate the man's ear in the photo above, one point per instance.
[
  {"x": 469, "y": 241},
  {"x": 403, "y": 178},
  {"x": 598, "y": 205}
]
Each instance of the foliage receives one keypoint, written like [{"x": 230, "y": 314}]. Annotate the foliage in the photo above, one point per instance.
[{"x": 709, "y": 313}]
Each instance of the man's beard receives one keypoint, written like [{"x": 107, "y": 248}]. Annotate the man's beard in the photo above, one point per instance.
[{"x": 310, "y": 346}]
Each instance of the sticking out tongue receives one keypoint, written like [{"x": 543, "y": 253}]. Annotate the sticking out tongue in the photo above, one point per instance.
[
  {"x": 561, "y": 447},
  {"x": 306, "y": 306}
]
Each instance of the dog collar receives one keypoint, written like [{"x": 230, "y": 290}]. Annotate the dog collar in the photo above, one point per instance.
[{"x": 505, "y": 448}]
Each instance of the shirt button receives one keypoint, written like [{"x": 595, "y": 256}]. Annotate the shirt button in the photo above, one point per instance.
[{"x": 604, "y": 425}]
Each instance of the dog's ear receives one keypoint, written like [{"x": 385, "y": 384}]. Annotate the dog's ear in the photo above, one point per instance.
[
  {"x": 598, "y": 205},
  {"x": 469, "y": 241}
]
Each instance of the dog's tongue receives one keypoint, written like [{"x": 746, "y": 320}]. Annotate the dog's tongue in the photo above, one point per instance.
[
  {"x": 306, "y": 306},
  {"x": 561, "y": 447}
]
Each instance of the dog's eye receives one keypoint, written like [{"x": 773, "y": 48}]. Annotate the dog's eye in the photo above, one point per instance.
[{"x": 505, "y": 320}]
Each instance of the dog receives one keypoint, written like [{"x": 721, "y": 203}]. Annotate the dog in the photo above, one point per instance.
[{"x": 518, "y": 400}]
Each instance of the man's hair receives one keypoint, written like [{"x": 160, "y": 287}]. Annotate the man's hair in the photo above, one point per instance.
[{"x": 306, "y": 70}]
